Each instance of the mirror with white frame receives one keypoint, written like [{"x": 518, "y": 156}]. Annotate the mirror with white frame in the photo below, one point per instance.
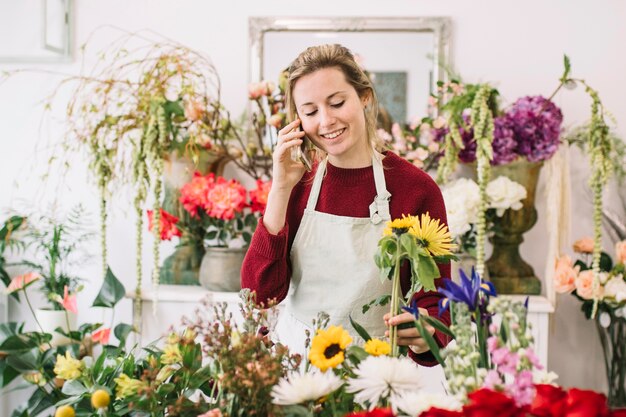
[{"x": 405, "y": 55}]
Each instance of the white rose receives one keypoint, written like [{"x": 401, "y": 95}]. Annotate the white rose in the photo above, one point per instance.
[
  {"x": 616, "y": 288},
  {"x": 505, "y": 194},
  {"x": 461, "y": 198}
]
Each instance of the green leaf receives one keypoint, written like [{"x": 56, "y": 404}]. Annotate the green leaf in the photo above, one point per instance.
[
  {"x": 381, "y": 301},
  {"x": 567, "y": 65},
  {"x": 25, "y": 362},
  {"x": 201, "y": 376},
  {"x": 427, "y": 272},
  {"x": 438, "y": 325},
  {"x": 430, "y": 341},
  {"x": 165, "y": 389},
  {"x": 211, "y": 235},
  {"x": 111, "y": 291},
  {"x": 606, "y": 263},
  {"x": 7, "y": 374},
  {"x": 360, "y": 329},
  {"x": 73, "y": 387},
  {"x": 357, "y": 352},
  {"x": 122, "y": 331}
]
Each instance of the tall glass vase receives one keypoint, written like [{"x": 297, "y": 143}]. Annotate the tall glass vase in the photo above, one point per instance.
[
  {"x": 612, "y": 332},
  {"x": 509, "y": 273}
]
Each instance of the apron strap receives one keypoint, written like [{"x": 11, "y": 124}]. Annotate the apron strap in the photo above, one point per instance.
[{"x": 379, "y": 209}]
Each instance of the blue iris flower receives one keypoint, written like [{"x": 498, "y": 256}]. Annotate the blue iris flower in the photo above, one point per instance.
[
  {"x": 467, "y": 292},
  {"x": 413, "y": 309}
]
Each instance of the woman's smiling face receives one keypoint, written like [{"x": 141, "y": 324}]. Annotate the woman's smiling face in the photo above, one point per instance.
[{"x": 333, "y": 118}]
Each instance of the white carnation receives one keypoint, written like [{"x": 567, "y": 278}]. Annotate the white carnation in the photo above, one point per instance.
[
  {"x": 462, "y": 199},
  {"x": 504, "y": 194}
]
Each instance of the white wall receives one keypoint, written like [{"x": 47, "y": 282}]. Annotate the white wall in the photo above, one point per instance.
[{"x": 516, "y": 44}]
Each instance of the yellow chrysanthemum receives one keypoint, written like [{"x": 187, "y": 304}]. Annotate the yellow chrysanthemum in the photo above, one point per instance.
[
  {"x": 171, "y": 354},
  {"x": 127, "y": 386},
  {"x": 328, "y": 346},
  {"x": 377, "y": 347},
  {"x": 400, "y": 226},
  {"x": 65, "y": 411},
  {"x": 433, "y": 236},
  {"x": 67, "y": 367}
]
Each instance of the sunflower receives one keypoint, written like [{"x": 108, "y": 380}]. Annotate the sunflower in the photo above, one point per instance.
[
  {"x": 400, "y": 226},
  {"x": 432, "y": 236},
  {"x": 328, "y": 346}
]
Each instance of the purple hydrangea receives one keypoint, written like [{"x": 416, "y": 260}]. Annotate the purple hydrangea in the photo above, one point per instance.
[
  {"x": 536, "y": 122},
  {"x": 504, "y": 144}
]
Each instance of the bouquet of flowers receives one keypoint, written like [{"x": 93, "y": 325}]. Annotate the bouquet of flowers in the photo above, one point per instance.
[
  {"x": 462, "y": 198},
  {"x": 219, "y": 212}
]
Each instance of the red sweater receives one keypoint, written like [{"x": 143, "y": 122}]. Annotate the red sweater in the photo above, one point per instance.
[{"x": 347, "y": 192}]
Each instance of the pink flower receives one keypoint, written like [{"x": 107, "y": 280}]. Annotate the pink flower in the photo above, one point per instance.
[
  {"x": 212, "y": 413},
  {"x": 620, "y": 252},
  {"x": 505, "y": 359},
  {"x": 275, "y": 120},
  {"x": 101, "y": 336},
  {"x": 584, "y": 285},
  {"x": 194, "y": 110},
  {"x": 533, "y": 359},
  {"x": 168, "y": 225},
  {"x": 69, "y": 301},
  {"x": 564, "y": 275},
  {"x": 225, "y": 198},
  {"x": 21, "y": 282},
  {"x": 584, "y": 245},
  {"x": 492, "y": 380},
  {"x": 522, "y": 390},
  {"x": 256, "y": 90},
  {"x": 193, "y": 195},
  {"x": 258, "y": 197},
  {"x": 268, "y": 87},
  {"x": 492, "y": 344}
]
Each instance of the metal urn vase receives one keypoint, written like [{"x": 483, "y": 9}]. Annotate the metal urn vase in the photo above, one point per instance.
[{"x": 221, "y": 269}]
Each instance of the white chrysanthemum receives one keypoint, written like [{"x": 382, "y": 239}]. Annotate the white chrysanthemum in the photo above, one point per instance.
[
  {"x": 462, "y": 198},
  {"x": 378, "y": 377},
  {"x": 415, "y": 403},
  {"x": 298, "y": 388},
  {"x": 504, "y": 193}
]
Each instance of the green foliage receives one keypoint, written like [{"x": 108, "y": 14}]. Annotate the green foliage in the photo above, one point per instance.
[{"x": 111, "y": 292}]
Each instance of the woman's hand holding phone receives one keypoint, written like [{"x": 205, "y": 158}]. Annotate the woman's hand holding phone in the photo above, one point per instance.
[{"x": 286, "y": 172}]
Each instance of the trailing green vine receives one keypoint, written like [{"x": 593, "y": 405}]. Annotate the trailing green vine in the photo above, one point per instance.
[{"x": 482, "y": 123}]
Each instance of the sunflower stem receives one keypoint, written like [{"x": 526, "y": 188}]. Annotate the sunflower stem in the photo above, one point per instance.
[{"x": 395, "y": 298}]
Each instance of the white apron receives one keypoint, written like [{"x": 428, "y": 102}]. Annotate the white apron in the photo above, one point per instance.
[{"x": 333, "y": 268}]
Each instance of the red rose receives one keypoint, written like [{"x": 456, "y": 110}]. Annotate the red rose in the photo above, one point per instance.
[
  {"x": 168, "y": 225},
  {"x": 488, "y": 403},
  {"x": 376, "y": 412},
  {"x": 618, "y": 413},
  {"x": 549, "y": 401},
  {"x": 584, "y": 403},
  {"x": 438, "y": 412}
]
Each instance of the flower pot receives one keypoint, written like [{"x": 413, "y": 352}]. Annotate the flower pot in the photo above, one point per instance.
[
  {"x": 220, "y": 269},
  {"x": 509, "y": 273},
  {"x": 50, "y": 320}
]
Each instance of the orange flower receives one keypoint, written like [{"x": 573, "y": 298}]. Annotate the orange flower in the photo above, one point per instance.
[
  {"x": 168, "y": 225},
  {"x": 275, "y": 120},
  {"x": 101, "y": 336},
  {"x": 584, "y": 245},
  {"x": 21, "y": 282},
  {"x": 225, "y": 199},
  {"x": 194, "y": 110},
  {"x": 256, "y": 90},
  {"x": 193, "y": 195},
  {"x": 258, "y": 197},
  {"x": 69, "y": 301},
  {"x": 620, "y": 252},
  {"x": 565, "y": 275},
  {"x": 584, "y": 285}
]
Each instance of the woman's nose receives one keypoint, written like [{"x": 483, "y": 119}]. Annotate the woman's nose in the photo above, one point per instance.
[{"x": 326, "y": 118}]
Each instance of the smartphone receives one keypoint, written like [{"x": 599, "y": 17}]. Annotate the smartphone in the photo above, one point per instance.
[{"x": 302, "y": 153}]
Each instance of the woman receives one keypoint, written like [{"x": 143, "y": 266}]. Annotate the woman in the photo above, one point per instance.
[{"x": 316, "y": 242}]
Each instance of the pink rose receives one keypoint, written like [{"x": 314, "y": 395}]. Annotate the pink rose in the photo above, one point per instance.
[
  {"x": 584, "y": 284},
  {"x": 256, "y": 90},
  {"x": 620, "y": 252},
  {"x": 275, "y": 120},
  {"x": 194, "y": 110},
  {"x": 268, "y": 87},
  {"x": 225, "y": 198},
  {"x": 564, "y": 275},
  {"x": 584, "y": 245}
]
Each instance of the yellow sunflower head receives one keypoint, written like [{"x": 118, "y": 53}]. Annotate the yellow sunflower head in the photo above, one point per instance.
[
  {"x": 400, "y": 226},
  {"x": 328, "y": 346},
  {"x": 377, "y": 347},
  {"x": 433, "y": 236}
]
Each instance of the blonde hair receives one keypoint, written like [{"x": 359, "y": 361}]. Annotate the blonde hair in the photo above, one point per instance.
[{"x": 337, "y": 56}]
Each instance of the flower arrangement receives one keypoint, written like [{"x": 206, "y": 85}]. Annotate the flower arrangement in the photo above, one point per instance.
[
  {"x": 608, "y": 290},
  {"x": 220, "y": 212},
  {"x": 462, "y": 205}
]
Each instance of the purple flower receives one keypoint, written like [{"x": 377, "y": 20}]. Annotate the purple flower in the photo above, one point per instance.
[
  {"x": 504, "y": 143},
  {"x": 536, "y": 122},
  {"x": 467, "y": 292}
]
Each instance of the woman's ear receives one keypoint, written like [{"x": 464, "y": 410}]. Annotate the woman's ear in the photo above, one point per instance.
[{"x": 366, "y": 98}]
